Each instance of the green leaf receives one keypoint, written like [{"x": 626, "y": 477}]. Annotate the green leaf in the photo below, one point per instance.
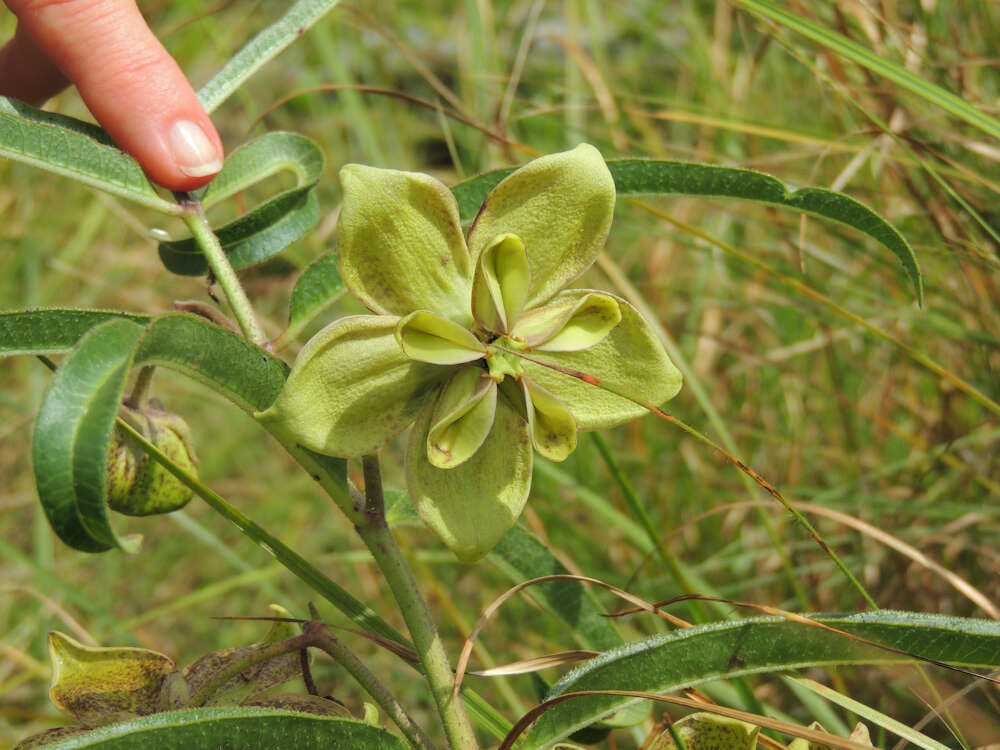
[
  {"x": 251, "y": 239},
  {"x": 74, "y": 149},
  {"x": 52, "y": 330},
  {"x": 73, "y": 432},
  {"x": 318, "y": 287},
  {"x": 260, "y": 50},
  {"x": 270, "y": 227},
  {"x": 220, "y": 359},
  {"x": 695, "y": 655},
  {"x": 232, "y": 728},
  {"x": 635, "y": 177},
  {"x": 877, "y": 64},
  {"x": 269, "y": 155}
]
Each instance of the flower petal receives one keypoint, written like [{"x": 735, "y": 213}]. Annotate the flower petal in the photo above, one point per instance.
[
  {"x": 352, "y": 388},
  {"x": 553, "y": 428},
  {"x": 560, "y": 207},
  {"x": 630, "y": 357},
  {"x": 569, "y": 323},
  {"x": 462, "y": 417},
  {"x": 400, "y": 246},
  {"x": 427, "y": 337},
  {"x": 473, "y": 505},
  {"x": 500, "y": 283}
]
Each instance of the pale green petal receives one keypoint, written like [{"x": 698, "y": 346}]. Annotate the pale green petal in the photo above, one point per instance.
[
  {"x": 399, "y": 243},
  {"x": 569, "y": 322},
  {"x": 560, "y": 206},
  {"x": 430, "y": 338},
  {"x": 553, "y": 429},
  {"x": 462, "y": 417},
  {"x": 352, "y": 388},
  {"x": 500, "y": 284},
  {"x": 473, "y": 505},
  {"x": 630, "y": 357}
]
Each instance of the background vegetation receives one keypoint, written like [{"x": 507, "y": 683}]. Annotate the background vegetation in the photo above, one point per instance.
[{"x": 837, "y": 416}]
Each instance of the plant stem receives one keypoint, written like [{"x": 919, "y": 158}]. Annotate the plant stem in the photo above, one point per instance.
[
  {"x": 140, "y": 391},
  {"x": 327, "y": 641},
  {"x": 253, "y": 656},
  {"x": 440, "y": 677},
  {"x": 223, "y": 271},
  {"x": 317, "y": 635},
  {"x": 304, "y": 570}
]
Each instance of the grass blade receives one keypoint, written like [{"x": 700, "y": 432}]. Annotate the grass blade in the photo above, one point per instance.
[
  {"x": 866, "y": 58},
  {"x": 260, "y": 50}
]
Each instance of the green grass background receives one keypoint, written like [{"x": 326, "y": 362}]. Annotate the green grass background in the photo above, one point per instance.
[{"x": 829, "y": 413}]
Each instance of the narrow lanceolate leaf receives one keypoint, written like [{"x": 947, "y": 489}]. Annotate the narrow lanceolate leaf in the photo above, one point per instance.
[
  {"x": 220, "y": 359},
  {"x": 74, "y": 149},
  {"x": 231, "y": 728},
  {"x": 73, "y": 432},
  {"x": 636, "y": 177},
  {"x": 52, "y": 330},
  {"x": 723, "y": 650},
  {"x": 318, "y": 287},
  {"x": 270, "y": 227},
  {"x": 264, "y": 47},
  {"x": 229, "y": 364}
]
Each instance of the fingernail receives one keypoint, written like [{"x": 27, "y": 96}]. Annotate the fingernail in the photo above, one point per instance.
[{"x": 193, "y": 153}]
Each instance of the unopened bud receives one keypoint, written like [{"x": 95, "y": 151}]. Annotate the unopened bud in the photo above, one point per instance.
[{"x": 137, "y": 484}]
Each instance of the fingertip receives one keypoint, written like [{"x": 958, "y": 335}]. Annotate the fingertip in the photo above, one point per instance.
[
  {"x": 195, "y": 153},
  {"x": 130, "y": 83}
]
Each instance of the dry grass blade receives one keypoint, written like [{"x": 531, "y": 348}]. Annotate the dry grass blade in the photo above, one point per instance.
[
  {"x": 765, "y": 722},
  {"x": 956, "y": 581},
  {"x": 538, "y": 663},
  {"x": 432, "y": 106},
  {"x": 641, "y": 606}
]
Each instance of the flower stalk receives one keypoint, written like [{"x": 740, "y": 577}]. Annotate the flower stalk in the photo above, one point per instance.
[{"x": 427, "y": 643}]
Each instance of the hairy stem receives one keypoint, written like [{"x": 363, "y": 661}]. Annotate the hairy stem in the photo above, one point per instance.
[
  {"x": 437, "y": 670},
  {"x": 317, "y": 635},
  {"x": 140, "y": 391},
  {"x": 223, "y": 271},
  {"x": 327, "y": 641}
]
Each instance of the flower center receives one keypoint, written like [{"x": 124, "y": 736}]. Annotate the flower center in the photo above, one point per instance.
[{"x": 501, "y": 363}]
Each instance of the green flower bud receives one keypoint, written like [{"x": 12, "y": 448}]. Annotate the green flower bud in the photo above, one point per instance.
[{"x": 138, "y": 485}]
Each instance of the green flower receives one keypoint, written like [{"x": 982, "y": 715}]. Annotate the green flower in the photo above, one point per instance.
[{"x": 451, "y": 317}]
